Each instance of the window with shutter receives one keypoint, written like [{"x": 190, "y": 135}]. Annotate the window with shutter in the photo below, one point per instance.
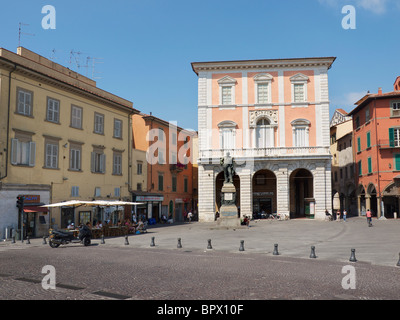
[
  {"x": 368, "y": 139},
  {"x": 51, "y": 156},
  {"x": 53, "y": 110},
  {"x": 98, "y": 161},
  {"x": 358, "y": 144},
  {"x": 76, "y": 117},
  {"x": 262, "y": 93},
  {"x": 23, "y": 152},
  {"x": 397, "y": 161},
  {"x": 369, "y": 165},
  {"x": 24, "y": 103}
]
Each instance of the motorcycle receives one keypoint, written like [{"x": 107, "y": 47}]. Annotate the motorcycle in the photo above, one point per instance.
[{"x": 58, "y": 237}]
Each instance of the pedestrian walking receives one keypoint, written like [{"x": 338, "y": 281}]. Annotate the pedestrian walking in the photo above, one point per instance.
[
  {"x": 344, "y": 215},
  {"x": 338, "y": 215},
  {"x": 369, "y": 218}
]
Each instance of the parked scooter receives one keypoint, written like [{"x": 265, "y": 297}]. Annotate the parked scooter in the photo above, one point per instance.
[{"x": 58, "y": 237}]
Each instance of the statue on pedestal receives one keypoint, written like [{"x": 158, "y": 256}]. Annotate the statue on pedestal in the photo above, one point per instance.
[{"x": 227, "y": 165}]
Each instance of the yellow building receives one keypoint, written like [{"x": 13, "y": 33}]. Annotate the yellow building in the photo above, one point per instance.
[{"x": 61, "y": 138}]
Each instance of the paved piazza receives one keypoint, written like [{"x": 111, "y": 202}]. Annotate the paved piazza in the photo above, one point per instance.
[{"x": 164, "y": 272}]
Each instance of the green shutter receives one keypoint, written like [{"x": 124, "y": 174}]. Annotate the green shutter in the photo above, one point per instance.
[
  {"x": 359, "y": 168},
  {"x": 397, "y": 161},
  {"x": 369, "y": 165},
  {"x": 391, "y": 137},
  {"x": 358, "y": 144},
  {"x": 368, "y": 139}
]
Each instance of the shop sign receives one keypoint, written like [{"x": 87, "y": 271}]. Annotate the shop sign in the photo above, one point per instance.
[
  {"x": 149, "y": 198},
  {"x": 261, "y": 194},
  {"x": 28, "y": 198}
]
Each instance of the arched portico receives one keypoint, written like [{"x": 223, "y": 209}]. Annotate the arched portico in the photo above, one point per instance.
[
  {"x": 264, "y": 193},
  {"x": 302, "y": 200}
]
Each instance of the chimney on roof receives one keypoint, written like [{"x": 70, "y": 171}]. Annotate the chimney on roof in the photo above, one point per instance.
[
  {"x": 379, "y": 91},
  {"x": 397, "y": 84}
]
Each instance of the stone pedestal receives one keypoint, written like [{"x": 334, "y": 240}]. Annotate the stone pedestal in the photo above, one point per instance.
[{"x": 228, "y": 216}]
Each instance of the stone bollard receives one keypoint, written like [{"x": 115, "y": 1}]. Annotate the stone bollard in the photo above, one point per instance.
[
  {"x": 312, "y": 255},
  {"x": 28, "y": 241},
  {"x": 102, "y": 239},
  {"x": 353, "y": 256},
  {"x": 398, "y": 262},
  {"x": 241, "y": 248},
  {"x": 44, "y": 240},
  {"x": 275, "y": 253},
  {"x": 179, "y": 243},
  {"x": 126, "y": 240},
  {"x": 209, "y": 244},
  {"x": 152, "y": 244}
]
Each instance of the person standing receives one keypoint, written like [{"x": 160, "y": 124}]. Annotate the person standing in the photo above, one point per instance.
[
  {"x": 369, "y": 218},
  {"x": 344, "y": 215},
  {"x": 338, "y": 215}
]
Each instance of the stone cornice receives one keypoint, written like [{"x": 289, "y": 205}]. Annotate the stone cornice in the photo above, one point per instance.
[{"x": 262, "y": 64}]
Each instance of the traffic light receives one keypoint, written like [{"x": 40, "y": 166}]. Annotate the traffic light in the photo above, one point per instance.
[{"x": 20, "y": 202}]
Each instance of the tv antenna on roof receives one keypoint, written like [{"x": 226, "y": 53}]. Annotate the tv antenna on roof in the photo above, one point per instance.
[
  {"x": 76, "y": 56},
  {"x": 21, "y": 33},
  {"x": 94, "y": 61}
]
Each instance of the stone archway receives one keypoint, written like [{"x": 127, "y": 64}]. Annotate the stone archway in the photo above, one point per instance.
[
  {"x": 391, "y": 200},
  {"x": 301, "y": 184},
  {"x": 264, "y": 193},
  {"x": 361, "y": 200},
  {"x": 371, "y": 199}
]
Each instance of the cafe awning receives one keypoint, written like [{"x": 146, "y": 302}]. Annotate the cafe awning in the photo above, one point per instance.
[
  {"x": 35, "y": 209},
  {"x": 78, "y": 203}
]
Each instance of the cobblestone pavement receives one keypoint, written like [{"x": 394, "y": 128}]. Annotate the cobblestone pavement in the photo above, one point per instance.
[{"x": 164, "y": 272}]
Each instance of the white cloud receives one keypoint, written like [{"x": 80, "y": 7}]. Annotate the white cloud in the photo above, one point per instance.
[
  {"x": 375, "y": 6},
  {"x": 348, "y": 99}
]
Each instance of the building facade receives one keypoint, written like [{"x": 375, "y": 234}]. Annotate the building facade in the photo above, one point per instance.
[
  {"x": 376, "y": 125},
  {"x": 61, "y": 138},
  {"x": 169, "y": 168},
  {"x": 272, "y": 116},
  {"x": 343, "y": 169}
]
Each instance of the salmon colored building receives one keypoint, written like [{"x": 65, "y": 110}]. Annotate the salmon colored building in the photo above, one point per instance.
[
  {"x": 169, "y": 168},
  {"x": 376, "y": 125},
  {"x": 272, "y": 116}
]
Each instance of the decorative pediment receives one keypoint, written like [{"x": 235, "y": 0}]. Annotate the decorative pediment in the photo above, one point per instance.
[
  {"x": 300, "y": 122},
  {"x": 299, "y": 78},
  {"x": 263, "y": 77},
  {"x": 227, "y": 80},
  {"x": 271, "y": 115},
  {"x": 227, "y": 124}
]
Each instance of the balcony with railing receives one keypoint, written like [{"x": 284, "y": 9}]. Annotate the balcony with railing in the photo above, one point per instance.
[{"x": 274, "y": 152}]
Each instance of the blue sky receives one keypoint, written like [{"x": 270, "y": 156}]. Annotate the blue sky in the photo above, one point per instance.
[{"x": 146, "y": 46}]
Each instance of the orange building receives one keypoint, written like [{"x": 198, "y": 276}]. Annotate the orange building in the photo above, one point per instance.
[
  {"x": 169, "y": 167},
  {"x": 272, "y": 116},
  {"x": 376, "y": 125}
]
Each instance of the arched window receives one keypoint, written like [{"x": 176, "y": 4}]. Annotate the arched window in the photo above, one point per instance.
[{"x": 264, "y": 134}]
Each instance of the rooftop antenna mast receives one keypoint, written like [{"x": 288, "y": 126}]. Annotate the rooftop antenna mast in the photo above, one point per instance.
[
  {"x": 53, "y": 54},
  {"x": 94, "y": 61},
  {"x": 20, "y": 33},
  {"x": 76, "y": 56}
]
